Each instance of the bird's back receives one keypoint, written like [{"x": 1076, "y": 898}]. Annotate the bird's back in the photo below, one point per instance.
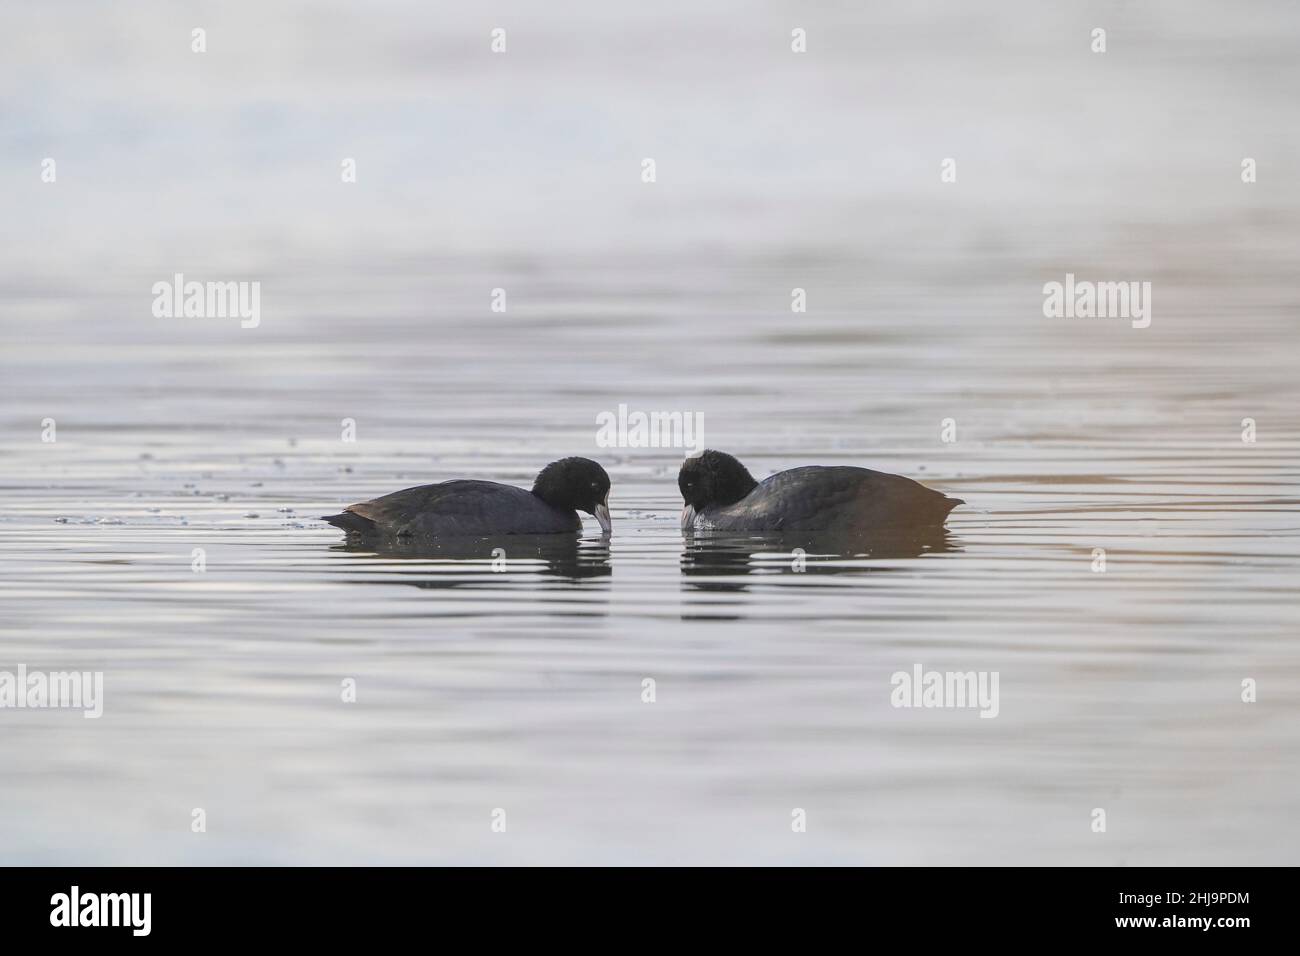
[
  {"x": 460, "y": 507},
  {"x": 833, "y": 498}
]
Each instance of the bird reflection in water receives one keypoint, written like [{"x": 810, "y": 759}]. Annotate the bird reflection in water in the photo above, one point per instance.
[
  {"x": 712, "y": 555},
  {"x": 466, "y": 562}
]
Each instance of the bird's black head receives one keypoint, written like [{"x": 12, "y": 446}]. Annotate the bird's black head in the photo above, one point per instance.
[
  {"x": 578, "y": 484},
  {"x": 713, "y": 478}
]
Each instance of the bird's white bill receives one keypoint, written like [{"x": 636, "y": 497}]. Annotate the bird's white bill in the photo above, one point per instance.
[
  {"x": 602, "y": 515},
  {"x": 688, "y": 517}
]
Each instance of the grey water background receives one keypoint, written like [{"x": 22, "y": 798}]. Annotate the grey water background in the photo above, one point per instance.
[{"x": 522, "y": 690}]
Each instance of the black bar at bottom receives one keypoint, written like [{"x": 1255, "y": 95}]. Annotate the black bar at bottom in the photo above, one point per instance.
[{"x": 335, "y": 906}]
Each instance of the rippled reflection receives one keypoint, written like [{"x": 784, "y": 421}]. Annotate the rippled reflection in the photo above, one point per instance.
[
  {"x": 445, "y": 561},
  {"x": 713, "y": 555}
]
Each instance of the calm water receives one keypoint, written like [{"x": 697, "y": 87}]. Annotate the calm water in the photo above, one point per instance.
[{"x": 522, "y": 690}]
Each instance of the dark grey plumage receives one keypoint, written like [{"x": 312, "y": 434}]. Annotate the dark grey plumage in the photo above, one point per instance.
[
  {"x": 464, "y": 507},
  {"x": 721, "y": 495}
]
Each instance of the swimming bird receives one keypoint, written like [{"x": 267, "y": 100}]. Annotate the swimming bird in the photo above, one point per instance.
[
  {"x": 464, "y": 507},
  {"x": 721, "y": 495}
]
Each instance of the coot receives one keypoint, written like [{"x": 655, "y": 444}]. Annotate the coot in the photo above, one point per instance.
[
  {"x": 466, "y": 507},
  {"x": 721, "y": 495}
]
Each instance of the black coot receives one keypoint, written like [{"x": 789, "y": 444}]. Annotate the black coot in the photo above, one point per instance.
[
  {"x": 721, "y": 495},
  {"x": 466, "y": 507}
]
